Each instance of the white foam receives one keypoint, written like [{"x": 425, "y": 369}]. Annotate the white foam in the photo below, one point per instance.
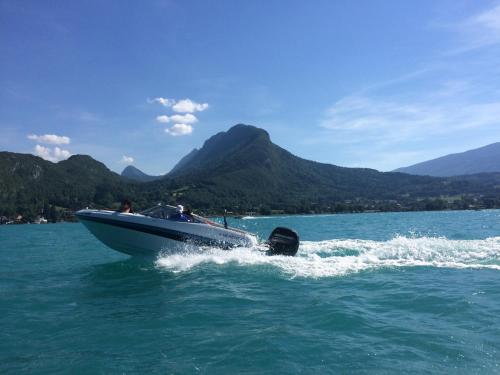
[
  {"x": 340, "y": 257},
  {"x": 315, "y": 216}
]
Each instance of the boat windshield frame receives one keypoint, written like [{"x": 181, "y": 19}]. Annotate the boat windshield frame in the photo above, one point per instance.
[{"x": 167, "y": 212}]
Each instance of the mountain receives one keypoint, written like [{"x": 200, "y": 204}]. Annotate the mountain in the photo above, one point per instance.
[
  {"x": 241, "y": 146},
  {"x": 184, "y": 161},
  {"x": 135, "y": 174},
  {"x": 241, "y": 170},
  {"x": 480, "y": 160},
  {"x": 28, "y": 183}
]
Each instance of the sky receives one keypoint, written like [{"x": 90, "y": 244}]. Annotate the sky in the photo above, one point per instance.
[{"x": 377, "y": 84}]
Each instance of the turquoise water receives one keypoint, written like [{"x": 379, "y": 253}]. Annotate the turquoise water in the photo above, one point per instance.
[{"x": 368, "y": 293}]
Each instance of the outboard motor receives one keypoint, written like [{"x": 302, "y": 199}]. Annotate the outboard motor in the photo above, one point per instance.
[{"x": 283, "y": 241}]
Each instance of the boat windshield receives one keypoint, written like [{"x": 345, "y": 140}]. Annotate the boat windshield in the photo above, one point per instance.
[
  {"x": 159, "y": 212},
  {"x": 167, "y": 213}
]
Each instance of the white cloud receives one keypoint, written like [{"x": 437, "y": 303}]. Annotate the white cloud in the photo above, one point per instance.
[
  {"x": 61, "y": 154},
  {"x": 43, "y": 152},
  {"x": 127, "y": 159},
  {"x": 486, "y": 25},
  {"x": 52, "y": 154},
  {"x": 489, "y": 18},
  {"x": 187, "y": 118},
  {"x": 179, "y": 130},
  {"x": 478, "y": 31},
  {"x": 181, "y": 106},
  {"x": 163, "y": 101},
  {"x": 360, "y": 118},
  {"x": 50, "y": 139},
  {"x": 189, "y": 106},
  {"x": 387, "y": 132},
  {"x": 449, "y": 105},
  {"x": 163, "y": 119},
  {"x": 183, "y": 119}
]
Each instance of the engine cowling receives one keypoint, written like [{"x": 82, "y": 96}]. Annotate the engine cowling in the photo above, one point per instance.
[{"x": 283, "y": 241}]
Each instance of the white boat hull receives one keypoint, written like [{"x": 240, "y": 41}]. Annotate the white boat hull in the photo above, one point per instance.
[
  {"x": 131, "y": 242},
  {"x": 136, "y": 234}
]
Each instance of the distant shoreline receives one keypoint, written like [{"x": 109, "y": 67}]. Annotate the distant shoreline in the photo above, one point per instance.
[
  {"x": 347, "y": 213},
  {"x": 250, "y": 217}
]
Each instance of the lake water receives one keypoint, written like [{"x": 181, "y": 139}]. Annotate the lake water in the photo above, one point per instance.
[{"x": 367, "y": 293}]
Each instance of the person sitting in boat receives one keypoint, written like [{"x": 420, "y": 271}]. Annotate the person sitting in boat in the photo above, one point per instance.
[
  {"x": 179, "y": 214},
  {"x": 187, "y": 212},
  {"x": 126, "y": 207}
]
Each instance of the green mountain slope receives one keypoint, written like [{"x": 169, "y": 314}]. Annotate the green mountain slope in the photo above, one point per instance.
[
  {"x": 27, "y": 183},
  {"x": 241, "y": 170},
  {"x": 184, "y": 161}
]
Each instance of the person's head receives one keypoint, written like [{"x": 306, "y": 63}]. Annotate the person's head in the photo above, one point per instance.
[
  {"x": 179, "y": 209},
  {"x": 126, "y": 206}
]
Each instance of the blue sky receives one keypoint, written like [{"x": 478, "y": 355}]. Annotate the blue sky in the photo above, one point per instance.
[{"x": 379, "y": 84}]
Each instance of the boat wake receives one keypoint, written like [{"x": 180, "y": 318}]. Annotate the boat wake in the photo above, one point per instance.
[{"x": 340, "y": 257}]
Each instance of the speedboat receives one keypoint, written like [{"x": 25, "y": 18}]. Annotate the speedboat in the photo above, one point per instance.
[{"x": 158, "y": 230}]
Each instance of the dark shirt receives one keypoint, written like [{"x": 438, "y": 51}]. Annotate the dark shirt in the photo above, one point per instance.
[{"x": 179, "y": 217}]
